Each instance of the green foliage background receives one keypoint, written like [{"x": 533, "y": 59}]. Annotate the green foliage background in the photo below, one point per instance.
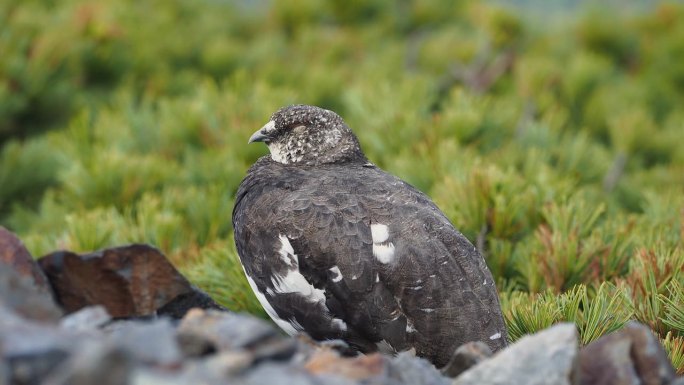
[{"x": 554, "y": 142}]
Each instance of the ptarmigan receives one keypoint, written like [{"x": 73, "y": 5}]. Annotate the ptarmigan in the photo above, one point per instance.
[{"x": 335, "y": 247}]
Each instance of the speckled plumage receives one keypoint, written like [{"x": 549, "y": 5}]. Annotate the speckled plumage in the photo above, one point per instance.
[{"x": 338, "y": 248}]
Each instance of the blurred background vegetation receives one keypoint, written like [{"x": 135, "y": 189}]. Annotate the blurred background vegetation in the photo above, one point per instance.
[{"x": 553, "y": 137}]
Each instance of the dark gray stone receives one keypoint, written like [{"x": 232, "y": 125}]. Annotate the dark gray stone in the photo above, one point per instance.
[
  {"x": 4, "y": 373},
  {"x": 227, "y": 364},
  {"x": 29, "y": 369},
  {"x": 225, "y": 331},
  {"x": 32, "y": 349},
  {"x": 465, "y": 357},
  {"x": 95, "y": 363},
  {"x": 14, "y": 255},
  {"x": 195, "y": 298},
  {"x": 274, "y": 349},
  {"x": 23, "y": 337},
  {"x": 20, "y": 294},
  {"x": 285, "y": 374},
  {"x": 150, "y": 342},
  {"x": 409, "y": 369}
]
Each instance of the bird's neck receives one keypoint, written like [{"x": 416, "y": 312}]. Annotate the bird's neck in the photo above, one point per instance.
[{"x": 345, "y": 150}]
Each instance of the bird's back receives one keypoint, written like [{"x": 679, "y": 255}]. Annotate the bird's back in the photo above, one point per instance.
[{"x": 348, "y": 251}]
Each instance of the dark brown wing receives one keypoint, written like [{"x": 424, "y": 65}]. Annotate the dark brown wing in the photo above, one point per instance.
[{"x": 349, "y": 251}]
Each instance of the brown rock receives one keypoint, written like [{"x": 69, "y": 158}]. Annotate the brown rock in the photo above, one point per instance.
[
  {"x": 327, "y": 361},
  {"x": 631, "y": 355},
  {"x": 465, "y": 357},
  {"x": 129, "y": 281},
  {"x": 14, "y": 253}
]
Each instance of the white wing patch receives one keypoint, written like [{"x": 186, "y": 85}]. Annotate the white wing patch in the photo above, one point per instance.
[
  {"x": 293, "y": 281},
  {"x": 495, "y": 336},
  {"x": 337, "y": 277},
  {"x": 340, "y": 324},
  {"x": 286, "y": 251},
  {"x": 286, "y": 326},
  {"x": 382, "y": 250},
  {"x": 379, "y": 232},
  {"x": 384, "y": 253}
]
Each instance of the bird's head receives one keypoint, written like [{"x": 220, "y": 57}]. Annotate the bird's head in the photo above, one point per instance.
[{"x": 302, "y": 134}]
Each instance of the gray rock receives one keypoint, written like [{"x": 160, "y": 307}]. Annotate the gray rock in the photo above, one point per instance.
[
  {"x": 4, "y": 373},
  {"x": 406, "y": 368},
  {"x": 95, "y": 363},
  {"x": 13, "y": 254},
  {"x": 87, "y": 319},
  {"x": 29, "y": 369},
  {"x": 226, "y": 364},
  {"x": 548, "y": 357},
  {"x": 32, "y": 349},
  {"x": 226, "y": 331},
  {"x": 148, "y": 377},
  {"x": 150, "y": 342},
  {"x": 632, "y": 355},
  {"x": 285, "y": 374},
  {"x": 20, "y": 294},
  {"x": 465, "y": 357},
  {"x": 274, "y": 349},
  {"x": 23, "y": 337}
]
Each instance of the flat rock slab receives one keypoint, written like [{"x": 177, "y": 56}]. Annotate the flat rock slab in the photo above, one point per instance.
[
  {"x": 545, "y": 358},
  {"x": 129, "y": 281}
]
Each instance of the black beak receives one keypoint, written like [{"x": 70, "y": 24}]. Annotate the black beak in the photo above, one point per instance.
[
  {"x": 257, "y": 137},
  {"x": 262, "y": 135}
]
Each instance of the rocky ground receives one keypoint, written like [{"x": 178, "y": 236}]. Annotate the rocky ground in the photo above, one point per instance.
[{"x": 126, "y": 316}]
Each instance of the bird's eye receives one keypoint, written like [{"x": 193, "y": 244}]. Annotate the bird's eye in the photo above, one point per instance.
[{"x": 300, "y": 129}]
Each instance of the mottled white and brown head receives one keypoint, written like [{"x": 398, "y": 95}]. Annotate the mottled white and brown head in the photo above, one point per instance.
[{"x": 302, "y": 134}]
